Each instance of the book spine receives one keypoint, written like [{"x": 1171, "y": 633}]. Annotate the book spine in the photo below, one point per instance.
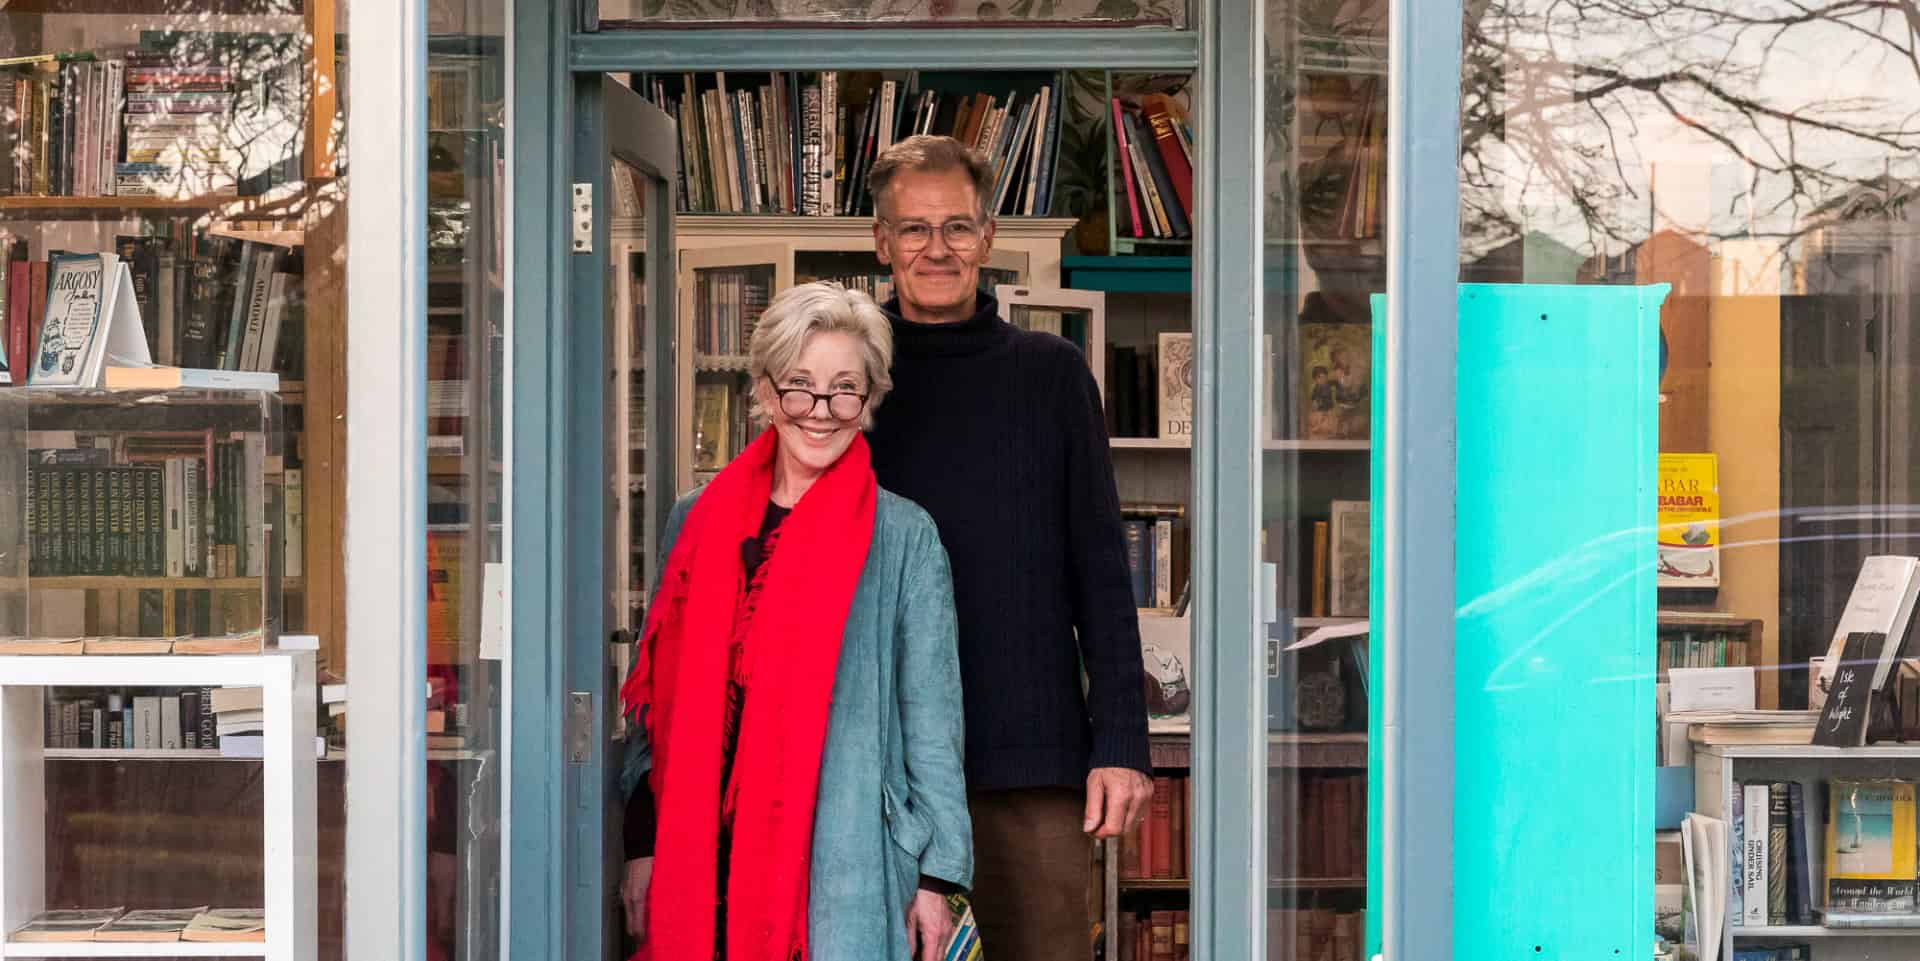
[
  {"x": 1139, "y": 561},
  {"x": 1124, "y": 158},
  {"x": 193, "y": 551},
  {"x": 1754, "y": 862},
  {"x": 1779, "y": 825},
  {"x": 208, "y": 721},
  {"x": 1800, "y": 886},
  {"x": 190, "y": 718},
  {"x": 1163, "y": 562},
  {"x": 170, "y": 723}
]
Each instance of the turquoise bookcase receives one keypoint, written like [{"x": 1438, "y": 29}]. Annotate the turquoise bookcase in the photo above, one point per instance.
[{"x": 1557, "y": 414}]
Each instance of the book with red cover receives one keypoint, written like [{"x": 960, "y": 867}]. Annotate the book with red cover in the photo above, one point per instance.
[
  {"x": 1178, "y": 844},
  {"x": 1160, "y": 812},
  {"x": 36, "y": 309},
  {"x": 1159, "y": 110},
  {"x": 1126, "y": 167},
  {"x": 1143, "y": 847}
]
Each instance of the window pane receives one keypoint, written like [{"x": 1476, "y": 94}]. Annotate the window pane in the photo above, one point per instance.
[
  {"x": 466, "y": 434},
  {"x": 1325, "y": 223},
  {"x": 196, "y": 144},
  {"x": 1759, "y": 159},
  {"x": 635, "y": 14}
]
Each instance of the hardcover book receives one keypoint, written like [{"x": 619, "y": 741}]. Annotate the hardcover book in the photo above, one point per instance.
[
  {"x": 1870, "y": 846},
  {"x": 1348, "y": 564},
  {"x": 1335, "y": 381},
  {"x": 53, "y": 926},
  {"x": 1176, "y": 386},
  {"x": 163, "y": 925}
]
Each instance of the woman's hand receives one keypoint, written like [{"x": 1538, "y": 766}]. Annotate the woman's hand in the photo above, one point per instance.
[
  {"x": 929, "y": 925},
  {"x": 633, "y": 896}
]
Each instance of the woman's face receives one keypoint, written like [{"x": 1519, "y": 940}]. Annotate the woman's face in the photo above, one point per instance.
[{"x": 830, "y": 363}]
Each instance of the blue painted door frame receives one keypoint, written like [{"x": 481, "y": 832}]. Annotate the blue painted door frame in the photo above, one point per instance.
[{"x": 553, "y": 903}]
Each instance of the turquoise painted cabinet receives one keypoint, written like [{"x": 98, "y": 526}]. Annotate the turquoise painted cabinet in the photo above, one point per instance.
[{"x": 1557, "y": 432}]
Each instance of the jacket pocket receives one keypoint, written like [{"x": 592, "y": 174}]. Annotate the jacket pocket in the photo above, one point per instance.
[{"x": 910, "y": 831}]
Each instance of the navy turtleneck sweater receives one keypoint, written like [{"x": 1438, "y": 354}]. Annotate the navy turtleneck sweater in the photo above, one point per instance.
[{"x": 998, "y": 433}]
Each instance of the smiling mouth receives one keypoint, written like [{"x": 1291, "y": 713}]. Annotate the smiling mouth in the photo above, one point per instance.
[{"x": 818, "y": 434}]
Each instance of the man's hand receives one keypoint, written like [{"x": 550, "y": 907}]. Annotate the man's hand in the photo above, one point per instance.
[
  {"x": 929, "y": 926},
  {"x": 633, "y": 896},
  {"x": 1116, "y": 801}
]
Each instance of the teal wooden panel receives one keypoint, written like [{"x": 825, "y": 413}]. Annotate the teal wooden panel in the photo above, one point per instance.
[{"x": 1557, "y": 414}]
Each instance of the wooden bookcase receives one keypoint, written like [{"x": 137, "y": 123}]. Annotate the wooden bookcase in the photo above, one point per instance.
[{"x": 309, "y": 213}]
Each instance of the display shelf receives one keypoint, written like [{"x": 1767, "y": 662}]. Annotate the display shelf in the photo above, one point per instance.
[
  {"x": 289, "y": 855},
  {"x": 1296, "y": 446},
  {"x": 106, "y": 583},
  {"x": 1787, "y": 931},
  {"x": 1139, "y": 885},
  {"x": 136, "y": 754},
  {"x": 1812, "y": 752},
  {"x": 134, "y": 949}
]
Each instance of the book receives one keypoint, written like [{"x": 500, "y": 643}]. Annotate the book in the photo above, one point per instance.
[
  {"x": 42, "y": 646},
  {"x": 1688, "y": 512},
  {"x": 1882, "y": 601},
  {"x": 1335, "y": 393},
  {"x": 1870, "y": 846},
  {"x": 1850, "y": 702},
  {"x": 1318, "y": 567},
  {"x": 68, "y": 925},
  {"x": 129, "y": 645},
  {"x": 1137, "y": 538},
  {"x": 151, "y": 925},
  {"x": 227, "y": 925},
  {"x": 244, "y": 642},
  {"x": 1753, "y": 861},
  {"x": 1800, "y": 886},
  {"x": 177, "y": 378},
  {"x": 1779, "y": 821},
  {"x": 1348, "y": 559},
  {"x": 1175, "y": 395},
  {"x": 92, "y": 320}
]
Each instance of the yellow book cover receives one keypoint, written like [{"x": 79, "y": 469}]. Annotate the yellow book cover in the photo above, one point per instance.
[
  {"x": 1688, "y": 516},
  {"x": 1870, "y": 846}
]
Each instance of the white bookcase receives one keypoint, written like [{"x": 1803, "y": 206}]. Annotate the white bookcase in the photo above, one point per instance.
[
  {"x": 290, "y": 859},
  {"x": 1717, "y": 768}
]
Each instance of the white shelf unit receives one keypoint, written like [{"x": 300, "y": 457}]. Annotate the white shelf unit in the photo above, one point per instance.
[
  {"x": 1716, "y": 768},
  {"x": 290, "y": 859}
]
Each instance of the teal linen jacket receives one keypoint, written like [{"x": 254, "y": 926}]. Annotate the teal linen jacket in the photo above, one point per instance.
[{"x": 893, "y": 797}]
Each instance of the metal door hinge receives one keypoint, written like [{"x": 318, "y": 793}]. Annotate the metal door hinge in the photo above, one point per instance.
[
  {"x": 583, "y": 218},
  {"x": 579, "y": 727}
]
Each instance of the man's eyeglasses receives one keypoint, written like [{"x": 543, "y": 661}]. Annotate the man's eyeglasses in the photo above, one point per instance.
[
  {"x": 798, "y": 403},
  {"x": 960, "y": 236}
]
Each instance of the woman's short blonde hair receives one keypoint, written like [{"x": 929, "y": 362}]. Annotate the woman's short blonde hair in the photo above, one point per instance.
[{"x": 820, "y": 307}]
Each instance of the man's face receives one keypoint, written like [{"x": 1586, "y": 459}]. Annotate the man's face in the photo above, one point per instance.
[{"x": 935, "y": 279}]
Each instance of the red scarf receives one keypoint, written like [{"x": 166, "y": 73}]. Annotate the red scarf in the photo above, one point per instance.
[{"x": 678, "y": 690}]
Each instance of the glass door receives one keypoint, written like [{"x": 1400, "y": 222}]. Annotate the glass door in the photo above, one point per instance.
[
  {"x": 629, "y": 224},
  {"x": 723, "y": 291}
]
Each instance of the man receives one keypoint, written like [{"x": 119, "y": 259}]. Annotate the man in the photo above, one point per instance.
[{"x": 999, "y": 434}]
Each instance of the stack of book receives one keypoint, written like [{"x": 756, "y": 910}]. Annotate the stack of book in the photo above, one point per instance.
[
  {"x": 728, "y": 305},
  {"x": 178, "y": 504},
  {"x": 1156, "y": 850},
  {"x": 205, "y": 301},
  {"x": 802, "y": 143},
  {"x": 1133, "y": 393},
  {"x": 239, "y": 721},
  {"x": 1155, "y": 936},
  {"x": 1153, "y": 154},
  {"x": 176, "y": 117}
]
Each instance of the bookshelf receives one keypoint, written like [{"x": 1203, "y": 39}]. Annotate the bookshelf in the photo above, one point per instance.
[
  {"x": 1718, "y": 768},
  {"x": 729, "y": 266},
  {"x": 288, "y": 197},
  {"x": 289, "y": 855}
]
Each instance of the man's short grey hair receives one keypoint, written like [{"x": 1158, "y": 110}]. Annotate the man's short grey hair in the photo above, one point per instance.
[
  {"x": 820, "y": 307},
  {"x": 926, "y": 153}
]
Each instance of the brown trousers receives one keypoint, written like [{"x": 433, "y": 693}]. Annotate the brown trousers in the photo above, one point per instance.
[{"x": 1032, "y": 873}]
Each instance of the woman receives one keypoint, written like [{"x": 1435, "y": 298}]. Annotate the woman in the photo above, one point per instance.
[{"x": 797, "y": 685}]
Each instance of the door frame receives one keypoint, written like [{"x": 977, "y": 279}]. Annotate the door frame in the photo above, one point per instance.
[{"x": 549, "y": 500}]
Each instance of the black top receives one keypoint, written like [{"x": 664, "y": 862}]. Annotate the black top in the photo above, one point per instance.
[{"x": 998, "y": 433}]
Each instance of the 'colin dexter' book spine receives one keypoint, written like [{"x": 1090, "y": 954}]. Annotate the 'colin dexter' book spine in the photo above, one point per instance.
[{"x": 1779, "y": 821}]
